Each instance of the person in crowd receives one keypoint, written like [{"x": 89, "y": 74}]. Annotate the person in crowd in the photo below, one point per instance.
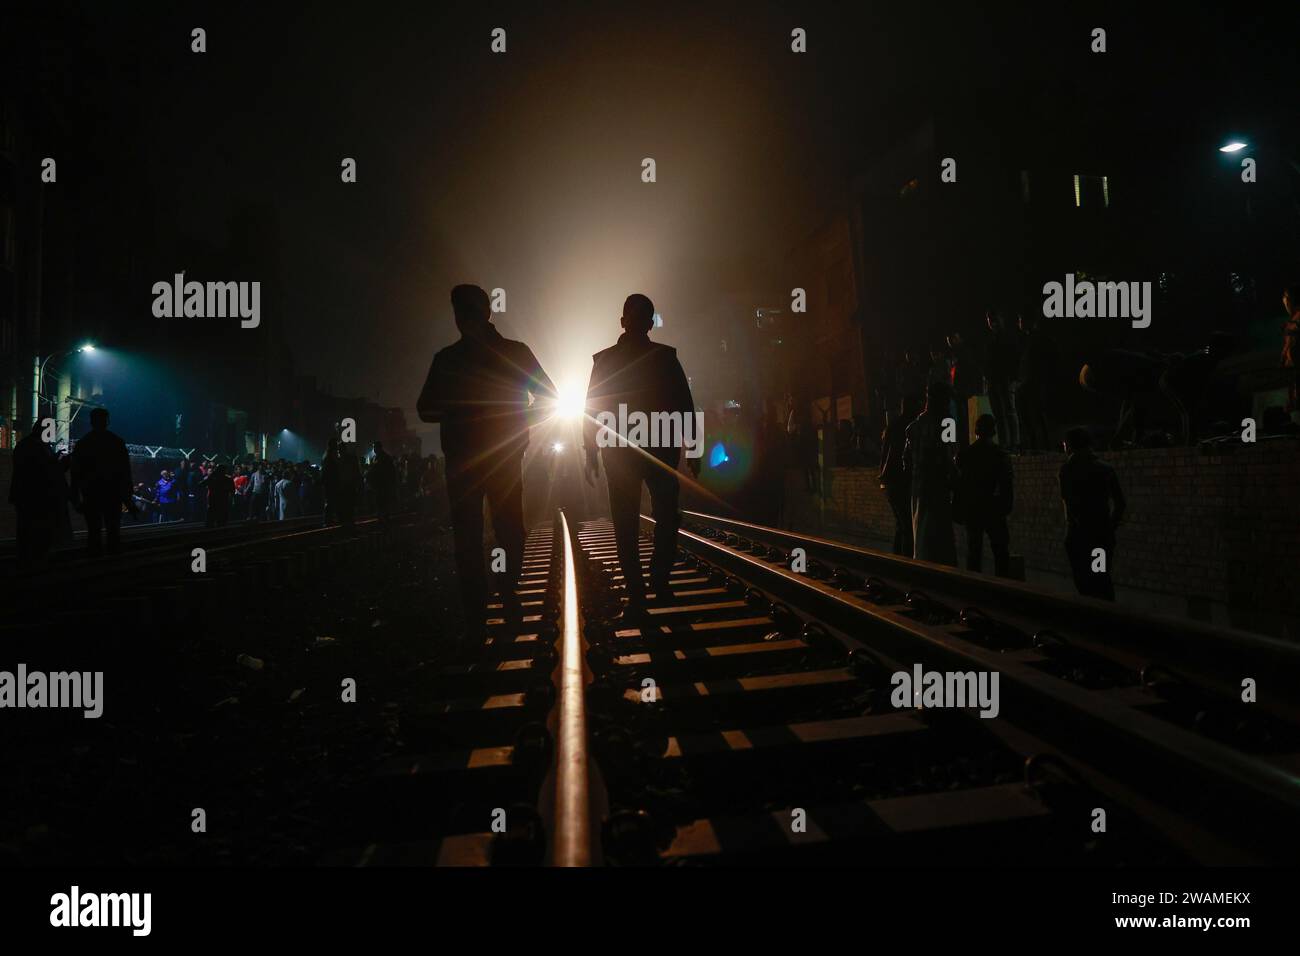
[
  {"x": 645, "y": 377},
  {"x": 381, "y": 478},
  {"x": 220, "y": 490},
  {"x": 350, "y": 485},
  {"x": 101, "y": 482},
  {"x": 928, "y": 461},
  {"x": 190, "y": 481},
  {"x": 894, "y": 478},
  {"x": 1094, "y": 506},
  {"x": 965, "y": 383},
  {"x": 167, "y": 494},
  {"x": 331, "y": 481},
  {"x": 260, "y": 493},
  {"x": 203, "y": 472},
  {"x": 985, "y": 490},
  {"x": 240, "y": 482},
  {"x": 478, "y": 391},
  {"x": 146, "y": 507},
  {"x": 285, "y": 498},
  {"x": 803, "y": 439}
]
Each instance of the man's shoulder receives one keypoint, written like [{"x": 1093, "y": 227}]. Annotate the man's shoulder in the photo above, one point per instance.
[
  {"x": 451, "y": 351},
  {"x": 652, "y": 347},
  {"x": 104, "y": 438},
  {"x": 519, "y": 352}
]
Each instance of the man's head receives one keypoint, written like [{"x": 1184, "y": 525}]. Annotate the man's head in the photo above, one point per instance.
[
  {"x": 377, "y": 445},
  {"x": 472, "y": 308},
  {"x": 99, "y": 419},
  {"x": 1077, "y": 439},
  {"x": 993, "y": 319},
  {"x": 1291, "y": 299},
  {"x": 986, "y": 426},
  {"x": 1027, "y": 324},
  {"x": 937, "y": 397},
  {"x": 638, "y": 314},
  {"x": 954, "y": 340}
]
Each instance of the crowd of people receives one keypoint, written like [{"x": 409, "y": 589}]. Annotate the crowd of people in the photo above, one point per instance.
[
  {"x": 934, "y": 481},
  {"x": 1014, "y": 365},
  {"x": 338, "y": 488},
  {"x": 96, "y": 480}
]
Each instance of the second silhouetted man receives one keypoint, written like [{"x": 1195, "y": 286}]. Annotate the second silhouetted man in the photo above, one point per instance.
[
  {"x": 478, "y": 391},
  {"x": 636, "y": 378}
]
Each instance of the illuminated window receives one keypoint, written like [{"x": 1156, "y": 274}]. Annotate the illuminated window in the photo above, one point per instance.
[{"x": 1091, "y": 191}]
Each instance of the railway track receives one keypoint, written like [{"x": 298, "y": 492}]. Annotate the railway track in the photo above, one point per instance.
[{"x": 753, "y": 715}]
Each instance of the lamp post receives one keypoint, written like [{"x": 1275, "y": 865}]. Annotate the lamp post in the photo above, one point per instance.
[{"x": 40, "y": 376}]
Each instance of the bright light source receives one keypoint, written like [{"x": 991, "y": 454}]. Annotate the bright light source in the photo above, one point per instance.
[
  {"x": 88, "y": 347},
  {"x": 1232, "y": 147},
  {"x": 557, "y": 447},
  {"x": 572, "y": 401}
]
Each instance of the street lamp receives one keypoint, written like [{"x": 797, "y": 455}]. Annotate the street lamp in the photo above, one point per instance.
[
  {"x": 1233, "y": 147},
  {"x": 40, "y": 376}
]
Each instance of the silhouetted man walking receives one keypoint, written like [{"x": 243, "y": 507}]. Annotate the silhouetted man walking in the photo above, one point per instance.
[
  {"x": 635, "y": 376},
  {"x": 894, "y": 476},
  {"x": 478, "y": 391},
  {"x": 928, "y": 460},
  {"x": 101, "y": 481},
  {"x": 984, "y": 483},
  {"x": 1088, "y": 488}
]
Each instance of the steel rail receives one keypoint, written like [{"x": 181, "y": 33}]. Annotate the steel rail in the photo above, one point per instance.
[
  {"x": 1146, "y": 637},
  {"x": 572, "y": 802},
  {"x": 1076, "y": 718}
]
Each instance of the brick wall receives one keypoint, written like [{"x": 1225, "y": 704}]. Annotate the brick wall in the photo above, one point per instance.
[{"x": 1211, "y": 526}]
